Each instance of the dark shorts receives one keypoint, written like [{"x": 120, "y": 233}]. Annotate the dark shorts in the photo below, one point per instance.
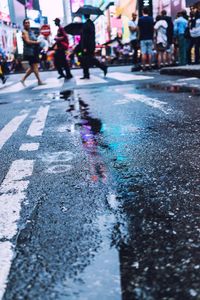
[{"x": 32, "y": 59}]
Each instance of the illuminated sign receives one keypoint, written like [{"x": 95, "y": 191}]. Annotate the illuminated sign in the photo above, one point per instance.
[
  {"x": 75, "y": 4},
  {"x": 4, "y": 11},
  {"x": 145, "y": 3}
]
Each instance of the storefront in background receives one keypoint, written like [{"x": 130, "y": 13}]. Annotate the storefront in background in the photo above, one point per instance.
[
  {"x": 8, "y": 40},
  {"x": 171, "y": 6},
  {"x": 4, "y": 11}
]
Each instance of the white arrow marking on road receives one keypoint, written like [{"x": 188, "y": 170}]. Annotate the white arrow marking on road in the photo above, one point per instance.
[
  {"x": 12, "y": 194},
  {"x": 10, "y": 128},
  {"x": 146, "y": 100},
  {"x": 127, "y": 77},
  {"x": 37, "y": 126}
]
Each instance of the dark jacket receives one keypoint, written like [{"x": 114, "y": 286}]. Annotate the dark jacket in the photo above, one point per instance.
[
  {"x": 88, "y": 37},
  {"x": 170, "y": 29}
]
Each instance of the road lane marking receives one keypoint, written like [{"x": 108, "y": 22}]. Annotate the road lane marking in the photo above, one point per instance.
[
  {"x": 29, "y": 147},
  {"x": 51, "y": 83},
  {"x": 187, "y": 79},
  {"x": 127, "y": 77},
  {"x": 12, "y": 194},
  {"x": 10, "y": 128},
  {"x": 152, "y": 102},
  {"x": 17, "y": 87},
  {"x": 37, "y": 126},
  {"x": 6, "y": 256},
  {"x": 93, "y": 80}
]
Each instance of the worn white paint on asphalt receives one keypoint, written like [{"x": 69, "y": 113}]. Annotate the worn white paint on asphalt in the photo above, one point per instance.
[
  {"x": 8, "y": 130},
  {"x": 127, "y": 77},
  {"x": 152, "y": 102},
  {"x": 37, "y": 126},
  {"x": 12, "y": 194},
  {"x": 93, "y": 80},
  {"x": 17, "y": 87},
  {"x": 50, "y": 83},
  {"x": 29, "y": 147},
  {"x": 6, "y": 256},
  {"x": 187, "y": 79}
]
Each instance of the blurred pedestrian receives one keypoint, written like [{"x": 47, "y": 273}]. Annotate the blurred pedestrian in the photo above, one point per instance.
[
  {"x": 180, "y": 25},
  {"x": 87, "y": 44},
  {"x": 44, "y": 46},
  {"x": 31, "y": 53},
  {"x": 133, "y": 29},
  {"x": 2, "y": 73},
  {"x": 191, "y": 25},
  {"x": 146, "y": 31},
  {"x": 61, "y": 45},
  {"x": 161, "y": 40},
  {"x": 170, "y": 35},
  {"x": 195, "y": 34}
]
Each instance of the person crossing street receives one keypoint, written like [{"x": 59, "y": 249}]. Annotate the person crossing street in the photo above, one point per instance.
[
  {"x": 61, "y": 44},
  {"x": 87, "y": 45}
]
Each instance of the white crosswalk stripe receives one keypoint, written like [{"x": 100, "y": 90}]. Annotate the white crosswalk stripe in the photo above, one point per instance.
[
  {"x": 10, "y": 128},
  {"x": 50, "y": 83},
  {"x": 93, "y": 80},
  {"x": 127, "y": 77},
  {"x": 17, "y": 87},
  {"x": 54, "y": 83}
]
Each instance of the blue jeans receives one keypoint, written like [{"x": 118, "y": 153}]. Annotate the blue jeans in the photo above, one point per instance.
[{"x": 182, "y": 43}]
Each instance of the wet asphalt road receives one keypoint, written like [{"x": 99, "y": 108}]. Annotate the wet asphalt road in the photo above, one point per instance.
[{"x": 112, "y": 208}]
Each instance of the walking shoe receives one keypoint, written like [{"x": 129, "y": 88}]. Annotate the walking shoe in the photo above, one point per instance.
[
  {"x": 4, "y": 80},
  {"x": 23, "y": 83},
  {"x": 85, "y": 77},
  {"x": 68, "y": 76},
  {"x": 61, "y": 76}
]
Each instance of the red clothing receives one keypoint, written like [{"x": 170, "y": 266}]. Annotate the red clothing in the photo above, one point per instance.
[{"x": 62, "y": 39}]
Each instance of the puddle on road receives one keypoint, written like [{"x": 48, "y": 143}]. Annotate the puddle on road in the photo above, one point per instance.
[{"x": 101, "y": 279}]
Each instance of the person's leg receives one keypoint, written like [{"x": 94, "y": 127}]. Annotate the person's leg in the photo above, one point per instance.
[
  {"x": 99, "y": 65},
  {"x": 182, "y": 50},
  {"x": 135, "y": 51},
  {"x": 149, "y": 49},
  {"x": 58, "y": 63},
  {"x": 159, "y": 59},
  {"x": 197, "y": 45},
  {"x": 27, "y": 74},
  {"x": 85, "y": 65},
  {"x": 36, "y": 72},
  {"x": 143, "y": 54},
  {"x": 189, "y": 50}
]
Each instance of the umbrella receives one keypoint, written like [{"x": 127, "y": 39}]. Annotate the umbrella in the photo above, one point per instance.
[
  {"x": 74, "y": 28},
  {"x": 89, "y": 10},
  {"x": 191, "y": 2}
]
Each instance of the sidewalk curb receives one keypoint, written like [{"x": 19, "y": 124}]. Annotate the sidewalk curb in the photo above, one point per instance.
[
  {"x": 181, "y": 71},
  {"x": 176, "y": 87}
]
